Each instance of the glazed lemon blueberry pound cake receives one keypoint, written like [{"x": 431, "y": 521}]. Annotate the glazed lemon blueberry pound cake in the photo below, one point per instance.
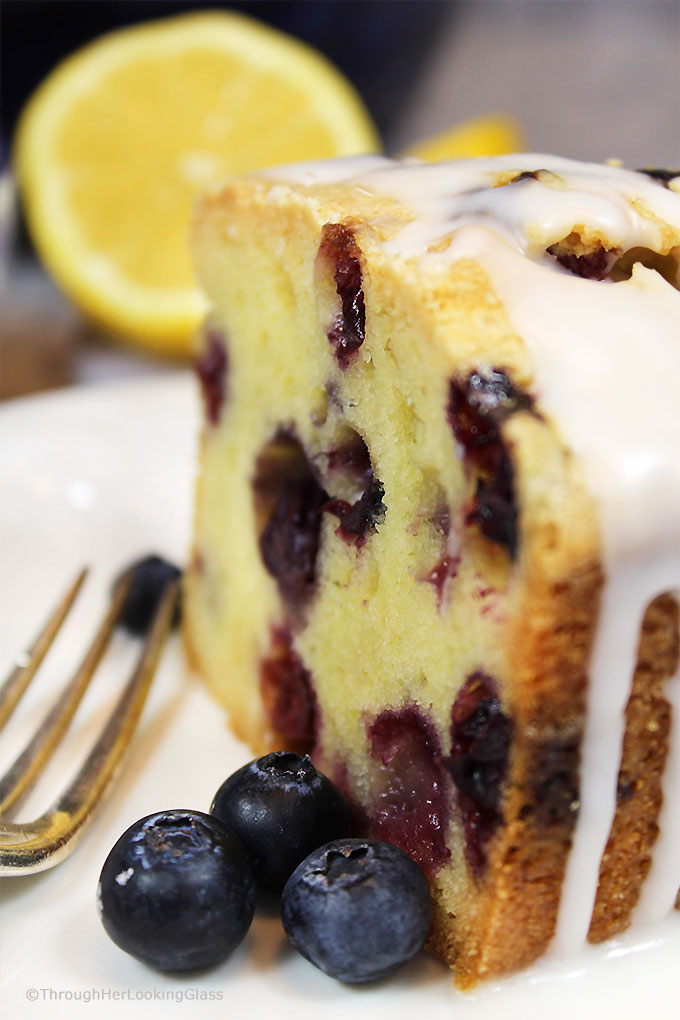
[{"x": 437, "y": 531}]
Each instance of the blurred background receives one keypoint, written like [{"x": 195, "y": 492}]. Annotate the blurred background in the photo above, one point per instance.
[{"x": 590, "y": 79}]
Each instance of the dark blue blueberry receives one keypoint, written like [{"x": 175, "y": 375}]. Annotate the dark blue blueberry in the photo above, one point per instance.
[
  {"x": 212, "y": 369},
  {"x": 289, "y": 543},
  {"x": 177, "y": 891},
  {"x": 477, "y": 409},
  {"x": 348, "y": 332},
  {"x": 481, "y": 735},
  {"x": 288, "y": 501},
  {"x": 281, "y": 808},
  {"x": 593, "y": 265},
  {"x": 150, "y": 577},
  {"x": 360, "y": 517},
  {"x": 357, "y": 909},
  {"x": 664, "y": 177}
]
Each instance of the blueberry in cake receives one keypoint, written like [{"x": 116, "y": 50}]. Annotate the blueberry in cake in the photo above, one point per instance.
[{"x": 437, "y": 526}]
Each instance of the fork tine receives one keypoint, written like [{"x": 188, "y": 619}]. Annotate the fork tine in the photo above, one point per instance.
[
  {"x": 18, "y": 680},
  {"x": 27, "y": 768},
  {"x": 31, "y": 847}
]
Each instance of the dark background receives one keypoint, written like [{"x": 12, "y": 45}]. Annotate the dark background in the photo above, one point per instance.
[
  {"x": 591, "y": 79},
  {"x": 380, "y": 45}
]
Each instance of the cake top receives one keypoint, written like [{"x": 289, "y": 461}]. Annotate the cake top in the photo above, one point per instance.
[
  {"x": 533, "y": 201},
  {"x": 585, "y": 258}
]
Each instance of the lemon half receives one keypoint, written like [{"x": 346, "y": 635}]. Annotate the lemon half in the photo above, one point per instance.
[
  {"x": 115, "y": 144},
  {"x": 491, "y": 135}
]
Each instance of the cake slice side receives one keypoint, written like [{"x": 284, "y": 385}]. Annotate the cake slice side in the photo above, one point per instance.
[
  {"x": 432, "y": 597},
  {"x": 397, "y": 561}
]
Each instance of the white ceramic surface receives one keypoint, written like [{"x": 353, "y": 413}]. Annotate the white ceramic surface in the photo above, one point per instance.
[{"x": 101, "y": 475}]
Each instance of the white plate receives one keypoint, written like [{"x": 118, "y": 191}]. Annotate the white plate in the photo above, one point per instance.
[{"x": 102, "y": 475}]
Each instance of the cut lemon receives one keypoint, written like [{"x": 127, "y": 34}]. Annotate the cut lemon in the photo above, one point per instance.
[
  {"x": 115, "y": 144},
  {"x": 483, "y": 136}
]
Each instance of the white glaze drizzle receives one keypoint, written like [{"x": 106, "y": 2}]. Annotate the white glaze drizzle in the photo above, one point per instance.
[
  {"x": 329, "y": 171},
  {"x": 622, "y": 419}
]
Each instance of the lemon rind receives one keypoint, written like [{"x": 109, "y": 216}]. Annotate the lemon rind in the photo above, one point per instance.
[{"x": 161, "y": 318}]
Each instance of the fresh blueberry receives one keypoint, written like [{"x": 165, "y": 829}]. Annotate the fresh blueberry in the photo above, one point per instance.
[
  {"x": 150, "y": 577},
  {"x": 177, "y": 891},
  {"x": 282, "y": 809},
  {"x": 357, "y": 909}
]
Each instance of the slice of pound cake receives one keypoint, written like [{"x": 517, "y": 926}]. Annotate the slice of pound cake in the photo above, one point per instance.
[{"x": 437, "y": 537}]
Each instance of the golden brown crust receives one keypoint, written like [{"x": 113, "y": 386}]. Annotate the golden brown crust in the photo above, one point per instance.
[
  {"x": 516, "y": 906},
  {"x": 516, "y": 912},
  {"x": 626, "y": 859}
]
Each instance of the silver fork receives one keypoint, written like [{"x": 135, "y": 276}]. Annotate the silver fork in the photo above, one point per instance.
[{"x": 29, "y": 847}]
